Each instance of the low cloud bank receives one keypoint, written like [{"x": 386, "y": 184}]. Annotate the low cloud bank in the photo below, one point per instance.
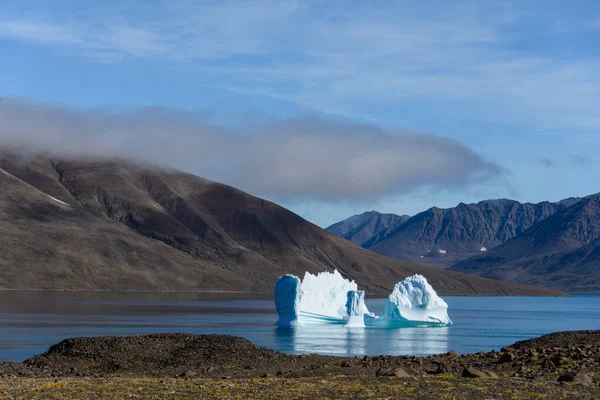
[{"x": 295, "y": 159}]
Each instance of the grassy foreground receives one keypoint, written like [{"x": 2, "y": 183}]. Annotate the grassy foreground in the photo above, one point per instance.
[{"x": 432, "y": 387}]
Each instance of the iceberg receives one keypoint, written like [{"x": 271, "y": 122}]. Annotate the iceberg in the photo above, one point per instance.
[
  {"x": 329, "y": 298},
  {"x": 324, "y": 298},
  {"x": 318, "y": 299},
  {"x": 413, "y": 302},
  {"x": 288, "y": 293}
]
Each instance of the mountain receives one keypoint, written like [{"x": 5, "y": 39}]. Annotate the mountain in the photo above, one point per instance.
[
  {"x": 441, "y": 237},
  {"x": 68, "y": 223},
  {"x": 359, "y": 229},
  {"x": 562, "y": 251}
]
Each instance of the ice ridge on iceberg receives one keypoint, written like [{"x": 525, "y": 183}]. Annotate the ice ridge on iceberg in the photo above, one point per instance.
[
  {"x": 324, "y": 297},
  {"x": 355, "y": 308},
  {"x": 329, "y": 298}
]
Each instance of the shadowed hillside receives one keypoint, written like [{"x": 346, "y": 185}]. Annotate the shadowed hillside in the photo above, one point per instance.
[
  {"x": 562, "y": 251},
  {"x": 442, "y": 237},
  {"x": 114, "y": 225}
]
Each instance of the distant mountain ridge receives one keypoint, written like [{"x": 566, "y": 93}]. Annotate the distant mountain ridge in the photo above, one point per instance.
[
  {"x": 442, "y": 237},
  {"x": 562, "y": 251},
  {"x": 361, "y": 228}
]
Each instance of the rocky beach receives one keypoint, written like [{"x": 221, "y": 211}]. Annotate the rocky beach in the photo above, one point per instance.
[{"x": 554, "y": 366}]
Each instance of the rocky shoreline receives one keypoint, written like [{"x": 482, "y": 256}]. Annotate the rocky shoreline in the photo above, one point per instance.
[{"x": 556, "y": 365}]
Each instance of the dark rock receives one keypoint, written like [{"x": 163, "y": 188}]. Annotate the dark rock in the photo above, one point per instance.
[
  {"x": 345, "y": 364},
  {"x": 579, "y": 378},
  {"x": 506, "y": 358},
  {"x": 548, "y": 364},
  {"x": 441, "y": 368}
]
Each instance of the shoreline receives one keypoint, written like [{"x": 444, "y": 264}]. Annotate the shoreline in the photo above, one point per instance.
[
  {"x": 558, "y": 365},
  {"x": 377, "y": 296},
  {"x": 130, "y": 291}
]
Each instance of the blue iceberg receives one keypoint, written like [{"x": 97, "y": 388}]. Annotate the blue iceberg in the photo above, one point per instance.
[
  {"x": 329, "y": 298},
  {"x": 288, "y": 293}
]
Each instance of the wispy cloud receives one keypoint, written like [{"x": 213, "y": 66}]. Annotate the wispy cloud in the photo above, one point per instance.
[
  {"x": 296, "y": 159},
  {"x": 580, "y": 161},
  {"x": 331, "y": 56},
  {"x": 177, "y": 30},
  {"x": 547, "y": 163}
]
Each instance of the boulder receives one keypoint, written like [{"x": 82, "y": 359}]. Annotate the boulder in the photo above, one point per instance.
[
  {"x": 471, "y": 372},
  {"x": 548, "y": 364},
  {"x": 506, "y": 358},
  {"x": 579, "y": 378},
  {"x": 187, "y": 374},
  {"x": 397, "y": 372},
  {"x": 442, "y": 369}
]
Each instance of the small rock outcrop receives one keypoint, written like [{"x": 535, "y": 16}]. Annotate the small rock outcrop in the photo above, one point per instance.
[
  {"x": 578, "y": 378},
  {"x": 397, "y": 372},
  {"x": 471, "y": 372}
]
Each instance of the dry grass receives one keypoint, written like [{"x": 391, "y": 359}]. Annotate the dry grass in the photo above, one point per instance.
[{"x": 285, "y": 388}]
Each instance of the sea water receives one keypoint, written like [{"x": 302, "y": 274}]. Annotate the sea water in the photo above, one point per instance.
[{"x": 32, "y": 321}]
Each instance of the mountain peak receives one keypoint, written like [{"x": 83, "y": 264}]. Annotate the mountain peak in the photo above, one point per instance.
[
  {"x": 459, "y": 231},
  {"x": 561, "y": 251},
  {"x": 363, "y": 227}
]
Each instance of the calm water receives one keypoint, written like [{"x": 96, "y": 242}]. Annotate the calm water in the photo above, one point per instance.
[{"x": 31, "y": 321}]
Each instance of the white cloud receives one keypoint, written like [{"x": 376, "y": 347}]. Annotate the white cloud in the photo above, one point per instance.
[
  {"x": 294, "y": 160},
  {"x": 331, "y": 56}
]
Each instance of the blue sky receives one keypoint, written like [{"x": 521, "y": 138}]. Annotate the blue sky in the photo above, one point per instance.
[{"x": 396, "y": 108}]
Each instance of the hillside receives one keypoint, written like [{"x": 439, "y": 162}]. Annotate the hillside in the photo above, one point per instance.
[
  {"x": 361, "y": 228},
  {"x": 562, "y": 251},
  {"x": 115, "y": 225},
  {"x": 442, "y": 237}
]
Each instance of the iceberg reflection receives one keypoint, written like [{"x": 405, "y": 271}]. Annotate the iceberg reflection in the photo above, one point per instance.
[{"x": 342, "y": 341}]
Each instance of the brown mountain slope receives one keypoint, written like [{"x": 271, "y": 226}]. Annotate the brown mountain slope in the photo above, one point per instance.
[{"x": 127, "y": 226}]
